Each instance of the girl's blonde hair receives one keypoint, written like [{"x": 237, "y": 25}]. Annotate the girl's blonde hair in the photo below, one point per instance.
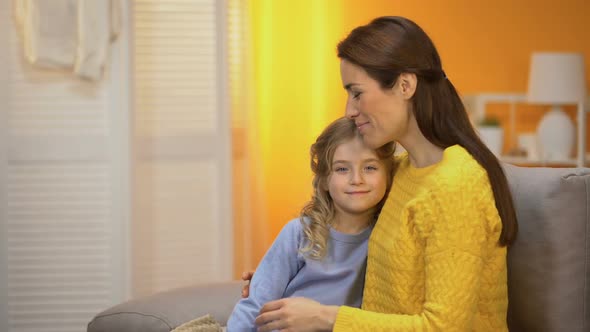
[{"x": 320, "y": 211}]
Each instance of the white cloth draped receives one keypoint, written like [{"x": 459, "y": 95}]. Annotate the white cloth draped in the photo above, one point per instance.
[{"x": 68, "y": 34}]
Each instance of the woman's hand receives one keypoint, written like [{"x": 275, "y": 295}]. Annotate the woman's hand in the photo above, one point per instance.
[
  {"x": 246, "y": 276},
  {"x": 296, "y": 314}
]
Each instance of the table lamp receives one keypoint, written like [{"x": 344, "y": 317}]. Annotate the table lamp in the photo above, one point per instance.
[{"x": 556, "y": 79}]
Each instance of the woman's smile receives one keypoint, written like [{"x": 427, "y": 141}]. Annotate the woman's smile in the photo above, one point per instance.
[{"x": 361, "y": 126}]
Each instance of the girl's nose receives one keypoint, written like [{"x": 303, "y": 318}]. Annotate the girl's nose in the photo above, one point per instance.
[{"x": 356, "y": 177}]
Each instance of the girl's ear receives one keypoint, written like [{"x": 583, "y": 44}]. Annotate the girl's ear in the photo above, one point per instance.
[{"x": 407, "y": 85}]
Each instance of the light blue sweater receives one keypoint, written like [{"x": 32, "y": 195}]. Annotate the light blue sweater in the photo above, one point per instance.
[{"x": 337, "y": 279}]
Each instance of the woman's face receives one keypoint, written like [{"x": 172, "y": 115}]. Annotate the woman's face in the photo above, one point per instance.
[{"x": 381, "y": 115}]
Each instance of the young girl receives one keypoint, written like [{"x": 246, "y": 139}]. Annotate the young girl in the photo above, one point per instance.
[{"x": 322, "y": 255}]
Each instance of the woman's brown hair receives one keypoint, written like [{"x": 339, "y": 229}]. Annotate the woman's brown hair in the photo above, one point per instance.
[{"x": 389, "y": 46}]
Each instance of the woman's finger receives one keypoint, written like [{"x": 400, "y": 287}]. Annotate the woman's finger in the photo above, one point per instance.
[
  {"x": 270, "y": 312},
  {"x": 246, "y": 290},
  {"x": 272, "y": 326},
  {"x": 272, "y": 306},
  {"x": 247, "y": 275}
]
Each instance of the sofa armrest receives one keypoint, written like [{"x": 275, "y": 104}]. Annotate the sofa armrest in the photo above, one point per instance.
[
  {"x": 548, "y": 265},
  {"x": 164, "y": 311}
]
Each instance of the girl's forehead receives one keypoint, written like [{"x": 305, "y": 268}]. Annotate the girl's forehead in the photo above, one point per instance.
[{"x": 353, "y": 149}]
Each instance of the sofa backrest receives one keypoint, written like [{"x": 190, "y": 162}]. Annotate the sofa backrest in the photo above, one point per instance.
[{"x": 549, "y": 264}]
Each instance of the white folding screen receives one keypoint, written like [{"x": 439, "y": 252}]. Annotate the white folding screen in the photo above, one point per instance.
[
  {"x": 181, "y": 227},
  {"x": 118, "y": 188},
  {"x": 64, "y": 187},
  {"x": 4, "y": 56}
]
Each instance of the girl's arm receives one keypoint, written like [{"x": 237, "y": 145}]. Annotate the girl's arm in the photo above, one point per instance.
[{"x": 279, "y": 265}]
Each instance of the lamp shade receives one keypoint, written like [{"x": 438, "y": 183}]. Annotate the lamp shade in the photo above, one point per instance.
[{"x": 556, "y": 78}]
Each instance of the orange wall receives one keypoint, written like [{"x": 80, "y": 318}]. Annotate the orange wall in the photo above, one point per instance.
[{"x": 485, "y": 47}]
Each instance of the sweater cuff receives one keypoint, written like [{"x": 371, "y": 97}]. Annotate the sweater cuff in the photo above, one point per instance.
[{"x": 344, "y": 319}]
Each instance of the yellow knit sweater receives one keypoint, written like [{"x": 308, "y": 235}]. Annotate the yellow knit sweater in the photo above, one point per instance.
[{"x": 434, "y": 261}]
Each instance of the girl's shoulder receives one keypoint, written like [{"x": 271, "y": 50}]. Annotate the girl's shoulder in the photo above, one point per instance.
[
  {"x": 296, "y": 225},
  {"x": 292, "y": 231}
]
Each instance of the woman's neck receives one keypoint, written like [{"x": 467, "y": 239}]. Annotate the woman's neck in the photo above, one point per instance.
[
  {"x": 424, "y": 155},
  {"x": 421, "y": 151}
]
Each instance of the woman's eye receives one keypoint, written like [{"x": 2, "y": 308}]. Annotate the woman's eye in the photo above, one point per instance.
[{"x": 356, "y": 95}]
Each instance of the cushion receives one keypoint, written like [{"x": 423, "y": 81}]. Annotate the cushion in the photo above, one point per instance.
[
  {"x": 548, "y": 265},
  {"x": 165, "y": 311},
  {"x": 201, "y": 324}
]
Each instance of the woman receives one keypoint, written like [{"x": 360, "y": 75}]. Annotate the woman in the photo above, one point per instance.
[{"x": 437, "y": 255}]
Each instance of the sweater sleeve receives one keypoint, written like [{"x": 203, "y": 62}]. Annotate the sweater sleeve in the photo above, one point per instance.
[
  {"x": 276, "y": 269},
  {"x": 453, "y": 228}
]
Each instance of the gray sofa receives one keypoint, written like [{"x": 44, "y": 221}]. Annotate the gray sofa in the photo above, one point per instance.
[{"x": 548, "y": 266}]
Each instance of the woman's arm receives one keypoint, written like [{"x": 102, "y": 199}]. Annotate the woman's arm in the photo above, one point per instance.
[
  {"x": 296, "y": 314},
  {"x": 279, "y": 265},
  {"x": 455, "y": 250}
]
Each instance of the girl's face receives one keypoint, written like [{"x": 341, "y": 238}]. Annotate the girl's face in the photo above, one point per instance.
[
  {"x": 381, "y": 115},
  {"x": 357, "y": 180}
]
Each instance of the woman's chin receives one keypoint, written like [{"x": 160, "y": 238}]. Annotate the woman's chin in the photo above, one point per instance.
[{"x": 374, "y": 142}]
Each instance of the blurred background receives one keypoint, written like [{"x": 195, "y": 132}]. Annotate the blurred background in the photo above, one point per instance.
[{"x": 147, "y": 145}]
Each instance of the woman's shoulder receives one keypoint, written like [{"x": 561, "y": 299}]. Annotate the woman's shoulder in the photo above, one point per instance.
[
  {"x": 459, "y": 171},
  {"x": 401, "y": 156}
]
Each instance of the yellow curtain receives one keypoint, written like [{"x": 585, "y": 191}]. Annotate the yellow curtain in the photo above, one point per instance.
[{"x": 285, "y": 90}]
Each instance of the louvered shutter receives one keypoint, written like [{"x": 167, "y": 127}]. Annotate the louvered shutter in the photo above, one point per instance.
[
  {"x": 62, "y": 190},
  {"x": 182, "y": 198}
]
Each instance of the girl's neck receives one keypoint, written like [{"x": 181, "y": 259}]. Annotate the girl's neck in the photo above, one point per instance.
[{"x": 352, "y": 224}]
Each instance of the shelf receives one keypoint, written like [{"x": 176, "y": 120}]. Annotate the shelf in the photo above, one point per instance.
[
  {"x": 476, "y": 103},
  {"x": 570, "y": 162}
]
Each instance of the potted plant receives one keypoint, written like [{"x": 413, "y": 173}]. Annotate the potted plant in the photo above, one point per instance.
[{"x": 492, "y": 134}]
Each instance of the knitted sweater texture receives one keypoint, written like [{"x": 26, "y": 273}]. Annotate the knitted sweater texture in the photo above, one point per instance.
[{"x": 434, "y": 263}]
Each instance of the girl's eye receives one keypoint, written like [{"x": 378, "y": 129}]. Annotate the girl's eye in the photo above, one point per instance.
[
  {"x": 341, "y": 169},
  {"x": 371, "y": 168}
]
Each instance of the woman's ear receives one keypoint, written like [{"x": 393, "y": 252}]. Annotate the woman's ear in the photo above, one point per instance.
[{"x": 407, "y": 84}]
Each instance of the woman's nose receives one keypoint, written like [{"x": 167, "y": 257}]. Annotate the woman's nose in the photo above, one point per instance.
[{"x": 350, "y": 111}]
